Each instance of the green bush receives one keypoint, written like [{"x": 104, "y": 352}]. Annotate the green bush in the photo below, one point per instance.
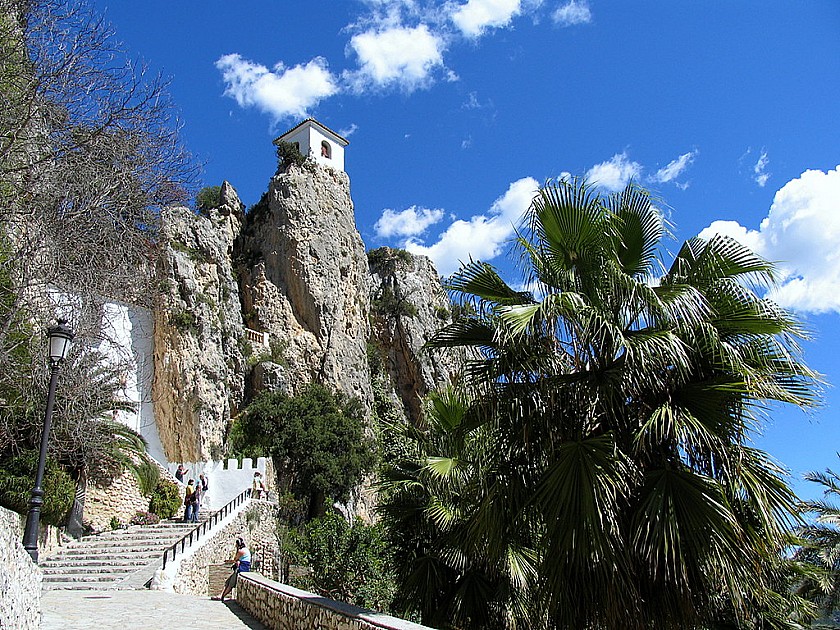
[
  {"x": 208, "y": 197},
  {"x": 148, "y": 476},
  {"x": 351, "y": 564},
  {"x": 17, "y": 476},
  {"x": 288, "y": 154},
  {"x": 114, "y": 523},
  {"x": 166, "y": 499}
]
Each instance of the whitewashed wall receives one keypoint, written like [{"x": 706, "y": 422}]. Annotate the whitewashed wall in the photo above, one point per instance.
[
  {"x": 226, "y": 479},
  {"x": 128, "y": 333},
  {"x": 309, "y": 138}
]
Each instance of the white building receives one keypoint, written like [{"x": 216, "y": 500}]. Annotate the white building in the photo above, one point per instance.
[{"x": 320, "y": 143}]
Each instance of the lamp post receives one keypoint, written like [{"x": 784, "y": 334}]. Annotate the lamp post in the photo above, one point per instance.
[{"x": 60, "y": 339}]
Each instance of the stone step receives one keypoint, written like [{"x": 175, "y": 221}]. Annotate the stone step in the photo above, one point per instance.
[
  {"x": 117, "y": 559},
  {"x": 86, "y": 577},
  {"x": 104, "y": 549},
  {"x": 85, "y": 586},
  {"x": 62, "y": 572},
  {"x": 137, "y": 561},
  {"x": 128, "y": 534}
]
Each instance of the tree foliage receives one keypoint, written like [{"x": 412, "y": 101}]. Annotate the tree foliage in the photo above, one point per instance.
[
  {"x": 348, "y": 563},
  {"x": 89, "y": 154},
  {"x": 17, "y": 476},
  {"x": 820, "y": 544},
  {"x": 316, "y": 439},
  {"x": 603, "y": 475}
]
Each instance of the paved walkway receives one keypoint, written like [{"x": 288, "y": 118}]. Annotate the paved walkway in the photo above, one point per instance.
[{"x": 149, "y": 610}]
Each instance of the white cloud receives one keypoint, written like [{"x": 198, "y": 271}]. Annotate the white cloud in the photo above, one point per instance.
[
  {"x": 349, "y": 131},
  {"x": 483, "y": 236},
  {"x": 615, "y": 173},
  {"x": 761, "y": 176},
  {"x": 801, "y": 233},
  {"x": 674, "y": 168},
  {"x": 573, "y": 13},
  {"x": 476, "y": 16},
  {"x": 396, "y": 55},
  {"x": 281, "y": 91},
  {"x": 412, "y": 221}
]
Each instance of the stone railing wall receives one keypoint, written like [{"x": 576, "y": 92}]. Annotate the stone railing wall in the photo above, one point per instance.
[
  {"x": 20, "y": 578},
  {"x": 256, "y": 336},
  {"x": 255, "y": 522},
  {"x": 282, "y": 607}
]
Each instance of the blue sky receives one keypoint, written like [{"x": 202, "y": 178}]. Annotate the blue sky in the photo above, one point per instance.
[{"x": 457, "y": 110}]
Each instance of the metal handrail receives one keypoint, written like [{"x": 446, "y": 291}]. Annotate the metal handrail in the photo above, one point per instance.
[{"x": 204, "y": 527}]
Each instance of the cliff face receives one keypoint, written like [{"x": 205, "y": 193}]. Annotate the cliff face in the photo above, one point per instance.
[
  {"x": 408, "y": 305},
  {"x": 199, "y": 366},
  {"x": 295, "y": 268},
  {"x": 304, "y": 279}
]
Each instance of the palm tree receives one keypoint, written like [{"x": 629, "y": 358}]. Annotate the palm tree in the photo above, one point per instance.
[
  {"x": 430, "y": 502},
  {"x": 820, "y": 544},
  {"x": 620, "y": 398}
]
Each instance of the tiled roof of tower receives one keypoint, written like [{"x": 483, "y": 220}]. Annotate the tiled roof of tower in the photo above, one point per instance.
[{"x": 322, "y": 126}]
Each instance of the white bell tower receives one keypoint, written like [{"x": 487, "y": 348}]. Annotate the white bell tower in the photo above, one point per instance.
[{"x": 317, "y": 141}]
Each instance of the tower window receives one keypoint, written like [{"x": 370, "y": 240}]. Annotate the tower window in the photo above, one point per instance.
[{"x": 325, "y": 149}]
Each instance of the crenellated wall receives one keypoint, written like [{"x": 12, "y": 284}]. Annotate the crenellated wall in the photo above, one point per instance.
[
  {"x": 282, "y": 607},
  {"x": 227, "y": 479}
]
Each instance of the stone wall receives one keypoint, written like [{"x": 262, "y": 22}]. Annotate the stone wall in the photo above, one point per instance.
[
  {"x": 282, "y": 607},
  {"x": 122, "y": 499},
  {"x": 20, "y": 578},
  {"x": 255, "y": 523}
]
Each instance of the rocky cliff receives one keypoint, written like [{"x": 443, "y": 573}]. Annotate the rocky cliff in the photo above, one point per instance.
[
  {"x": 304, "y": 279},
  {"x": 282, "y": 296},
  {"x": 199, "y": 365},
  {"x": 408, "y": 305}
]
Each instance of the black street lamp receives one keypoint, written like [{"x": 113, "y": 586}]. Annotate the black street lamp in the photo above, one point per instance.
[{"x": 60, "y": 339}]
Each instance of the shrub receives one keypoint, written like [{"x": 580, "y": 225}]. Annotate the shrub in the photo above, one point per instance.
[
  {"x": 148, "y": 476},
  {"x": 183, "y": 321},
  {"x": 166, "y": 499},
  {"x": 351, "y": 564},
  {"x": 114, "y": 523},
  {"x": 17, "y": 476},
  {"x": 208, "y": 197},
  {"x": 288, "y": 154},
  {"x": 145, "y": 518}
]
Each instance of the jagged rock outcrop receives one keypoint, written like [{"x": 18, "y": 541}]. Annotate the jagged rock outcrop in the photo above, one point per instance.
[
  {"x": 199, "y": 336},
  {"x": 408, "y": 305},
  {"x": 304, "y": 280}
]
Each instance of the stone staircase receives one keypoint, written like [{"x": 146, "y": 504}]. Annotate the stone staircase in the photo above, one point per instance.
[{"x": 120, "y": 559}]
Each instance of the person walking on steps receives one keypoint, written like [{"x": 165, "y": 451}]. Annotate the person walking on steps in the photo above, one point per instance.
[
  {"x": 258, "y": 486},
  {"x": 188, "y": 501},
  {"x": 195, "y": 501},
  {"x": 241, "y": 564}
]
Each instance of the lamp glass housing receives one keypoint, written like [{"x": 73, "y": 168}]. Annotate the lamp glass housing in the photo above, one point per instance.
[{"x": 61, "y": 337}]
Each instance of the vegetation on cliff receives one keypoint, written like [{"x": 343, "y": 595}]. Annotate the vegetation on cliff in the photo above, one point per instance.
[{"x": 316, "y": 440}]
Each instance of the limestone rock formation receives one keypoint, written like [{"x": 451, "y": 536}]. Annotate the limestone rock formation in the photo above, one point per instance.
[
  {"x": 408, "y": 305},
  {"x": 199, "y": 365},
  {"x": 304, "y": 279}
]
